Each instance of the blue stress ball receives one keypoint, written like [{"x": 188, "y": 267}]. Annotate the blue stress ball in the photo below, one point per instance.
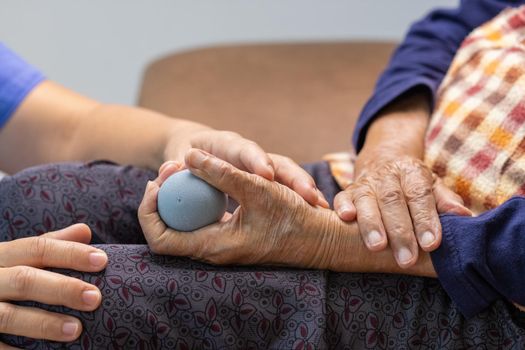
[{"x": 187, "y": 203}]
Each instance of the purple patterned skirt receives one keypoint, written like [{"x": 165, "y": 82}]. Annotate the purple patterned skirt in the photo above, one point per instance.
[{"x": 163, "y": 302}]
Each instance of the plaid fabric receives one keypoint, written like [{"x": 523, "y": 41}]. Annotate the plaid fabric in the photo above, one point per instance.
[
  {"x": 475, "y": 141},
  {"x": 476, "y": 138}
]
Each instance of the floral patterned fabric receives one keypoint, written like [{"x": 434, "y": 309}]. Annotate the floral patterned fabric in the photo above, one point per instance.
[{"x": 161, "y": 302}]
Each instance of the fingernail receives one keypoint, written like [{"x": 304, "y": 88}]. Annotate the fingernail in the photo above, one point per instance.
[
  {"x": 98, "y": 259},
  {"x": 69, "y": 328},
  {"x": 90, "y": 297},
  {"x": 427, "y": 238},
  {"x": 374, "y": 238},
  {"x": 404, "y": 255}
]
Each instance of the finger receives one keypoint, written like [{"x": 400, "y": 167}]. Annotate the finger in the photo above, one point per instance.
[
  {"x": 417, "y": 188},
  {"x": 322, "y": 200},
  {"x": 254, "y": 160},
  {"x": 166, "y": 170},
  {"x": 242, "y": 153},
  {"x": 369, "y": 217},
  {"x": 397, "y": 221},
  {"x": 447, "y": 201},
  {"x": 344, "y": 207},
  {"x": 4, "y": 346},
  {"x": 242, "y": 186},
  {"x": 24, "y": 283},
  {"x": 288, "y": 173},
  {"x": 38, "y": 324},
  {"x": 149, "y": 218},
  {"x": 169, "y": 163},
  {"x": 48, "y": 252},
  {"x": 80, "y": 233}
]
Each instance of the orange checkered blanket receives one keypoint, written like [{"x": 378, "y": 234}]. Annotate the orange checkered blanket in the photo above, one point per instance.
[{"x": 476, "y": 138}]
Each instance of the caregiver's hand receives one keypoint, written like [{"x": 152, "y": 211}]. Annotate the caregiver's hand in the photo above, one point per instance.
[
  {"x": 395, "y": 197},
  {"x": 272, "y": 225},
  {"x": 245, "y": 155},
  {"x": 22, "y": 278}
]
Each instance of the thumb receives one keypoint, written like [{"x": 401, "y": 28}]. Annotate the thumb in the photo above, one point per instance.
[
  {"x": 344, "y": 207},
  {"x": 238, "y": 184},
  {"x": 447, "y": 201}
]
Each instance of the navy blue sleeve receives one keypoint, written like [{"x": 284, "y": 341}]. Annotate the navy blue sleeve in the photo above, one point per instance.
[
  {"x": 482, "y": 259},
  {"x": 423, "y": 58},
  {"x": 17, "y": 79}
]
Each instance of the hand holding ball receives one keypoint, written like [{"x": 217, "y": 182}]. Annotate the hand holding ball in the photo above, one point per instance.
[{"x": 187, "y": 203}]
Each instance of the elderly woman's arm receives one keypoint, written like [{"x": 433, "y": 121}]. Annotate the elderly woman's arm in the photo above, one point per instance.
[
  {"x": 272, "y": 225},
  {"x": 393, "y": 194},
  {"x": 480, "y": 260}
]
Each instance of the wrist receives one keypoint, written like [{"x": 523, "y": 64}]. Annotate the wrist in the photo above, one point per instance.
[
  {"x": 349, "y": 254},
  {"x": 399, "y": 129}
]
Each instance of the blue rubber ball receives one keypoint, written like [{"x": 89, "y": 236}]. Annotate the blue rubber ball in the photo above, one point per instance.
[{"x": 187, "y": 203}]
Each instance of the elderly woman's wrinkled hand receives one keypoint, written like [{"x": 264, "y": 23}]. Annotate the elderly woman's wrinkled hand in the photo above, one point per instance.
[
  {"x": 272, "y": 225},
  {"x": 23, "y": 278},
  {"x": 396, "y": 201}
]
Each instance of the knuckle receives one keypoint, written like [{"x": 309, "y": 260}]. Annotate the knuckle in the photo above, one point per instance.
[
  {"x": 47, "y": 327},
  {"x": 418, "y": 191},
  {"x": 421, "y": 216},
  {"x": 230, "y": 135},
  {"x": 366, "y": 217},
  {"x": 391, "y": 195},
  {"x": 69, "y": 291},
  {"x": 6, "y": 316},
  {"x": 287, "y": 160},
  {"x": 361, "y": 191},
  {"x": 250, "y": 144},
  {"x": 21, "y": 280},
  {"x": 400, "y": 234},
  {"x": 224, "y": 172},
  {"x": 38, "y": 249}
]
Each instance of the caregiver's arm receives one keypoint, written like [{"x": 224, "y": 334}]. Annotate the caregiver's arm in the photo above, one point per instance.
[
  {"x": 43, "y": 122},
  {"x": 393, "y": 195}
]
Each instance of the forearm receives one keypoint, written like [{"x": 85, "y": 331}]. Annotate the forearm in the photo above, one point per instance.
[
  {"x": 128, "y": 135},
  {"x": 55, "y": 124},
  {"x": 342, "y": 249},
  {"x": 399, "y": 130}
]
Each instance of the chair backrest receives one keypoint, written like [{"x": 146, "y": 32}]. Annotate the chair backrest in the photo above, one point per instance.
[{"x": 300, "y": 100}]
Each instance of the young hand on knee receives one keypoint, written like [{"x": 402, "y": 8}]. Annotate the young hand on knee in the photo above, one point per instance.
[{"x": 23, "y": 278}]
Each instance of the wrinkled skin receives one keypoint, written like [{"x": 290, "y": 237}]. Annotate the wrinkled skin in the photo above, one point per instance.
[
  {"x": 398, "y": 201},
  {"x": 263, "y": 230},
  {"x": 273, "y": 225},
  {"x": 395, "y": 198}
]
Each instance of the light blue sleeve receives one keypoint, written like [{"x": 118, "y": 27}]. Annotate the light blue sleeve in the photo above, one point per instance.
[{"x": 17, "y": 79}]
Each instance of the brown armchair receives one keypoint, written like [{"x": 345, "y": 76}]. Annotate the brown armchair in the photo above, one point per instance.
[{"x": 300, "y": 100}]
